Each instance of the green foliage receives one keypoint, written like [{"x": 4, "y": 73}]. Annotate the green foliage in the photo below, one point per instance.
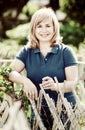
[
  {"x": 9, "y": 49},
  {"x": 73, "y": 33},
  {"x": 30, "y": 8},
  {"x": 75, "y": 9},
  {"x": 19, "y": 33},
  {"x": 4, "y": 71},
  {"x": 1, "y": 96},
  {"x": 9, "y": 14},
  {"x": 7, "y": 87}
]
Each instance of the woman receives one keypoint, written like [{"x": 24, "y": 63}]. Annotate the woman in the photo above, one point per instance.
[{"x": 44, "y": 58}]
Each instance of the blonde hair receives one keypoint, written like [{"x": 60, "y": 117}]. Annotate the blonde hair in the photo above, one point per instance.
[{"x": 38, "y": 17}]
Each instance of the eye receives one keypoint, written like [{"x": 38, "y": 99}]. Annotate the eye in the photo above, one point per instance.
[
  {"x": 38, "y": 26},
  {"x": 48, "y": 25}
]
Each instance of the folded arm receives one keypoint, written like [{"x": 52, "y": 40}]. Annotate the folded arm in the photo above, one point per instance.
[{"x": 16, "y": 76}]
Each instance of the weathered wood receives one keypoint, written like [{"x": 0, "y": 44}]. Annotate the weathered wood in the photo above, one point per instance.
[{"x": 10, "y": 111}]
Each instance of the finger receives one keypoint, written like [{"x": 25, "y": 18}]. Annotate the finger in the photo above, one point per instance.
[
  {"x": 47, "y": 86},
  {"x": 32, "y": 95},
  {"x": 28, "y": 94},
  {"x": 46, "y": 78},
  {"x": 35, "y": 95},
  {"x": 47, "y": 83}
]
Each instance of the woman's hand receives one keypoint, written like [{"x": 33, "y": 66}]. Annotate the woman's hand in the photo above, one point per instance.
[
  {"x": 30, "y": 89},
  {"x": 48, "y": 83}
]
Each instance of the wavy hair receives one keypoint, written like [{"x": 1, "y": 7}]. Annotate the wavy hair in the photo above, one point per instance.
[{"x": 39, "y": 16}]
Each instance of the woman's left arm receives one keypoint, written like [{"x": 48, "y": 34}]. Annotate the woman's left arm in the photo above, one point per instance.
[
  {"x": 71, "y": 70},
  {"x": 70, "y": 83}
]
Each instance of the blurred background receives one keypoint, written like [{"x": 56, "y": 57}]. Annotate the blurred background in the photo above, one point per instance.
[{"x": 15, "y": 17}]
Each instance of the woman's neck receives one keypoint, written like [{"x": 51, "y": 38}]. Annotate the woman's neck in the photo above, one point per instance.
[{"x": 45, "y": 48}]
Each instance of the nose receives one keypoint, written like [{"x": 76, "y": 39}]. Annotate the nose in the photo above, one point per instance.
[{"x": 44, "y": 29}]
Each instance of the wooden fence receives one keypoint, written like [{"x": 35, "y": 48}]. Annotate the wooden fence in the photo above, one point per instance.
[{"x": 13, "y": 116}]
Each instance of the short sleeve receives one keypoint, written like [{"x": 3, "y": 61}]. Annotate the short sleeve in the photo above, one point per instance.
[
  {"x": 22, "y": 54},
  {"x": 69, "y": 57}
]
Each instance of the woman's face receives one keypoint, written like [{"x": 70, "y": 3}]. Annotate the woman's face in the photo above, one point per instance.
[{"x": 44, "y": 31}]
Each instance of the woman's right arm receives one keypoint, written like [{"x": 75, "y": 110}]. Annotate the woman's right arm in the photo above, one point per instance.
[{"x": 15, "y": 76}]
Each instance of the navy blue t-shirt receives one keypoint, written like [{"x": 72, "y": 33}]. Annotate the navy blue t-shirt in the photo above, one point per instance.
[{"x": 52, "y": 65}]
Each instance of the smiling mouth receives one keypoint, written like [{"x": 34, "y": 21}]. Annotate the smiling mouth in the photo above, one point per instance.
[{"x": 44, "y": 35}]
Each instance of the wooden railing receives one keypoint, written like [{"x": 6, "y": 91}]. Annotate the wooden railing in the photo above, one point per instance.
[
  {"x": 13, "y": 114},
  {"x": 11, "y": 117}
]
